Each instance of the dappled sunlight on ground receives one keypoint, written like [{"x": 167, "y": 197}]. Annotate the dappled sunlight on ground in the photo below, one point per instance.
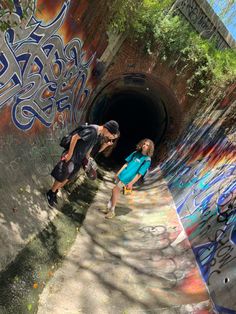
[{"x": 128, "y": 264}]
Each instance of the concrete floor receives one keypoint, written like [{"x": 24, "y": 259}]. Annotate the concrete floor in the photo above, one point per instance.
[{"x": 138, "y": 262}]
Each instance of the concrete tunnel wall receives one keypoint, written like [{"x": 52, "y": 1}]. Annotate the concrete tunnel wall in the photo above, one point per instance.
[{"x": 50, "y": 82}]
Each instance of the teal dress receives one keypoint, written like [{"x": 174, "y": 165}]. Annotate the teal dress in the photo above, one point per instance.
[{"x": 137, "y": 163}]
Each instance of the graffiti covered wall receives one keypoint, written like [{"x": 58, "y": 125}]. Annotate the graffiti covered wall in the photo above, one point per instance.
[
  {"x": 201, "y": 175},
  {"x": 40, "y": 75},
  {"x": 45, "y": 82}
]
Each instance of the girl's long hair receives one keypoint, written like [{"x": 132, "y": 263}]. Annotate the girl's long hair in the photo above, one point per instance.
[{"x": 150, "y": 150}]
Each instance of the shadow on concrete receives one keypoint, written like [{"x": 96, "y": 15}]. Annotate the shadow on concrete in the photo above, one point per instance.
[
  {"x": 24, "y": 279},
  {"x": 133, "y": 279},
  {"x": 121, "y": 211}
]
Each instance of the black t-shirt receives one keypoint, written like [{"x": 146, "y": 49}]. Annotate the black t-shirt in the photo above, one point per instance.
[
  {"x": 96, "y": 147},
  {"x": 88, "y": 139}
]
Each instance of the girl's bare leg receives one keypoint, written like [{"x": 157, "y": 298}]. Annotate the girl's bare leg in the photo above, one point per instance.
[
  {"x": 115, "y": 196},
  {"x": 114, "y": 199}
]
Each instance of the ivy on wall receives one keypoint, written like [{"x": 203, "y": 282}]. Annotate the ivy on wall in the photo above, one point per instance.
[{"x": 164, "y": 34}]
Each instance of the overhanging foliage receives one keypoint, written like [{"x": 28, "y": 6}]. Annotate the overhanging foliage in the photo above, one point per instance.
[{"x": 169, "y": 36}]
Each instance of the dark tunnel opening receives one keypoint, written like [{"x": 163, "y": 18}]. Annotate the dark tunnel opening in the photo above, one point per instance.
[
  {"x": 138, "y": 118},
  {"x": 138, "y": 106}
]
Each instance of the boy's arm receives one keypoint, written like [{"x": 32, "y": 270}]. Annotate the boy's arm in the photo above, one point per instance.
[
  {"x": 73, "y": 142},
  {"x": 104, "y": 146},
  {"x": 101, "y": 148},
  {"x": 88, "y": 153}
]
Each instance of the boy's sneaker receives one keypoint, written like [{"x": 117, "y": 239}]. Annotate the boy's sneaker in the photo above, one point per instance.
[{"x": 51, "y": 197}]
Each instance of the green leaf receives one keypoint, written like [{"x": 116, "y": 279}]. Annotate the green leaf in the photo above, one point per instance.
[{"x": 29, "y": 307}]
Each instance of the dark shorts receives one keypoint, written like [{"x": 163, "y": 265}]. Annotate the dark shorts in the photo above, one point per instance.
[
  {"x": 65, "y": 170},
  {"x": 74, "y": 173}
]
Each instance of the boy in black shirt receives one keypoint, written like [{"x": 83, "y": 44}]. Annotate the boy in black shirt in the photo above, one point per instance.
[{"x": 81, "y": 145}]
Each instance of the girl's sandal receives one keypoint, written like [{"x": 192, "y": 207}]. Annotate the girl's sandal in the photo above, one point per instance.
[
  {"x": 110, "y": 215},
  {"x": 104, "y": 210}
]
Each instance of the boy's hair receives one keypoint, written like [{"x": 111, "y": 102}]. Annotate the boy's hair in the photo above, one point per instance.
[{"x": 150, "y": 149}]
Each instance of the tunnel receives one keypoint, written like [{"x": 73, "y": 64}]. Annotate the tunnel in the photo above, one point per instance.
[
  {"x": 142, "y": 106},
  {"x": 170, "y": 247}
]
